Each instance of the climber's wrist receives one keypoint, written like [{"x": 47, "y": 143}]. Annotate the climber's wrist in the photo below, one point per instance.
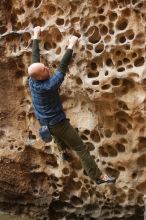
[
  {"x": 70, "y": 46},
  {"x": 35, "y": 36}
]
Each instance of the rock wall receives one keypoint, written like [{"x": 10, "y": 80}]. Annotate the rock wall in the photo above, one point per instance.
[{"x": 104, "y": 95}]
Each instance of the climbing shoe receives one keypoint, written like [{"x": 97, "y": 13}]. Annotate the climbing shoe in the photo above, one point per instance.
[{"x": 105, "y": 179}]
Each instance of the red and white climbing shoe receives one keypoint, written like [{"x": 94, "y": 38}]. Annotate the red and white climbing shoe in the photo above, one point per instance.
[{"x": 105, "y": 179}]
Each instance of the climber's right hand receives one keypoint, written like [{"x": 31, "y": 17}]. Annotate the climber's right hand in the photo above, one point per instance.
[
  {"x": 72, "y": 41},
  {"x": 37, "y": 31}
]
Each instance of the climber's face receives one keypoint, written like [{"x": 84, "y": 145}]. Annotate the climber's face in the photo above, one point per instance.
[
  {"x": 45, "y": 72},
  {"x": 38, "y": 71}
]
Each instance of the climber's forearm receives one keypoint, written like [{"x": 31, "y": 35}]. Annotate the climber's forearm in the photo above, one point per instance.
[
  {"x": 35, "y": 45},
  {"x": 35, "y": 51},
  {"x": 65, "y": 61}
]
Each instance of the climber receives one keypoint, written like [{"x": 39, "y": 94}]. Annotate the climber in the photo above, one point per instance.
[{"x": 48, "y": 107}]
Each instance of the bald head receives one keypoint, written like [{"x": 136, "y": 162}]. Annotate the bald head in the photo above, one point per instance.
[{"x": 38, "y": 71}]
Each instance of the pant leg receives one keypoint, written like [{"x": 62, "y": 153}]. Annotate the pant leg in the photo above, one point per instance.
[
  {"x": 60, "y": 143},
  {"x": 69, "y": 135}
]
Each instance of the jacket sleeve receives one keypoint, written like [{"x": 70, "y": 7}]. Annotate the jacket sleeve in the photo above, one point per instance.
[
  {"x": 65, "y": 61},
  {"x": 35, "y": 51},
  {"x": 54, "y": 82}
]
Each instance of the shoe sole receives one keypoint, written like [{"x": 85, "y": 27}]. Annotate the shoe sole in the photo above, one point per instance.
[{"x": 108, "y": 181}]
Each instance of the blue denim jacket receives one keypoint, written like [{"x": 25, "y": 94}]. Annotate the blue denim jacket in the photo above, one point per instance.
[{"x": 46, "y": 101}]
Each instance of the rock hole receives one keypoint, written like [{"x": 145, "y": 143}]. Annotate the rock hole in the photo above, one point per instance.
[
  {"x": 60, "y": 21},
  {"x": 120, "y": 147},
  {"x": 141, "y": 187},
  {"x": 102, "y": 152},
  {"x": 142, "y": 143},
  {"x": 2, "y": 133},
  {"x": 51, "y": 160},
  {"x": 76, "y": 200},
  {"x": 126, "y": 60},
  {"x": 86, "y": 132},
  {"x": 84, "y": 137},
  {"x": 89, "y": 55},
  {"x": 93, "y": 66},
  {"x": 112, "y": 172},
  {"x": 140, "y": 5},
  {"x": 19, "y": 74},
  {"x": 134, "y": 174},
  {"x": 58, "y": 51},
  {"x": 119, "y": 63},
  {"x": 65, "y": 171},
  {"x": 99, "y": 48},
  {"x": 139, "y": 61},
  {"x": 38, "y": 21},
  {"x": 11, "y": 147},
  {"x": 47, "y": 46},
  {"x": 89, "y": 46},
  {"x": 118, "y": 53},
  {"x": 96, "y": 82},
  {"x": 100, "y": 10},
  {"x": 134, "y": 150},
  {"x": 121, "y": 69},
  {"x": 95, "y": 136},
  {"x": 95, "y": 37},
  {"x": 107, "y": 39},
  {"x": 106, "y": 73},
  {"x": 55, "y": 194},
  {"x": 130, "y": 35},
  {"x": 89, "y": 90},
  {"x": 111, "y": 31},
  {"x": 37, "y": 3},
  {"x": 48, "y": 148},
  {"x": 122, "y": 39},
  {"x": 102, "y": 18},
  {"x": 51, "y": 9},
  {"x": 108, "y": 133},
  {"x": 3, "y": 29},
  {"x": 31, "y": 135},
  {"x": 128, "y": 83},
  {"x": 35, "y": 191},
  {"x": 105, "y": 87},
  {"x": 109, "y": 62},
  {"x": 127, "y": 47},
  {"x": 120, "y": 129},
  {"x": 134, "y": 55},
  {"x": 29, "y": 3},
  {"x": 121, "y": 168},
  {"x": 116, "y": 82},
  {"x": 122, "y": 24},
  {"x": 129, "y": 66},
  {"x": 141, "y": 161},
  {"x": 73, "y": 8},
  {"x": 126, "y": 12},
  {"x": 79, "y": 81},
  {"x": 111, "y": 151},
  {"x": 92, "y": 75},
  {"x": 75, "y": 19},
  {"x": 113, "y": 16},
  {"x": 84, "y": 195},
  {"x": 103, "y": 30}
]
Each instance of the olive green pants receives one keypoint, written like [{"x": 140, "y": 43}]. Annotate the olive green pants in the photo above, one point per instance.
[{"x": 67, "y": 137}]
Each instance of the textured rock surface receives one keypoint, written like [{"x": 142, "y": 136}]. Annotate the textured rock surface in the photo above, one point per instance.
[{"x": 104, "y": 95}]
